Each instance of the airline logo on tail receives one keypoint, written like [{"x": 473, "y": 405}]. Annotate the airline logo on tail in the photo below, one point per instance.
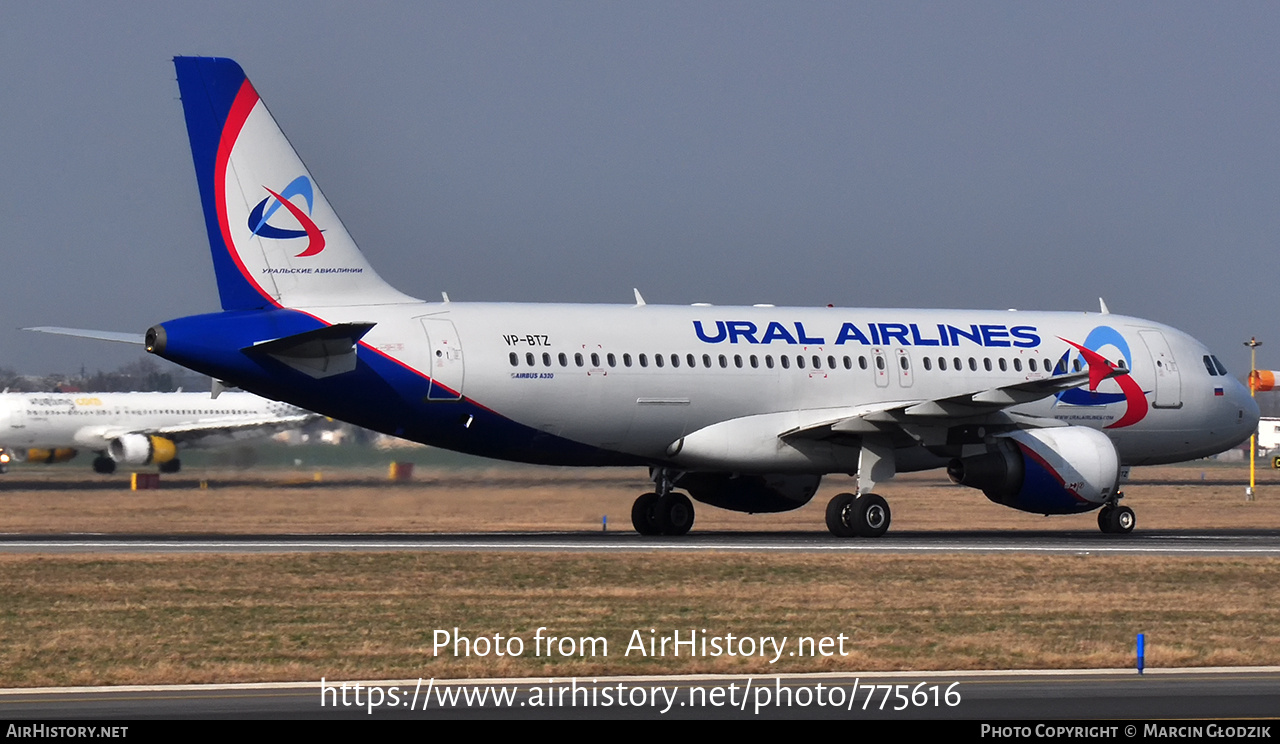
[
  {"x": 259, "y": 218},
  {"x": 1099, "y": 368}
]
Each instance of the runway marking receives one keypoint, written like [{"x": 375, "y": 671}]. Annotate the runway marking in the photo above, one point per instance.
[{"x": 574, "y": 546}]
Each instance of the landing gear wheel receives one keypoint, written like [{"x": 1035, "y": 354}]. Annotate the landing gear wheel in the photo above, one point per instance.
[
  {"x": 644, "y": 515},
  {"x": 171, "y": 466},
  {"x": 840, "y": 515},
  {"x": 1104, "y": 518},
  {"x": 1116, "y": 520},
  {"x": 104, "y": 465},
  {"x": 675, "y": 514},
  {"x": 870, "y": 515}
]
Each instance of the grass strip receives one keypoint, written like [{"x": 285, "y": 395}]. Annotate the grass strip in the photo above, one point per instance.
[{"x": 72, "y": 620}]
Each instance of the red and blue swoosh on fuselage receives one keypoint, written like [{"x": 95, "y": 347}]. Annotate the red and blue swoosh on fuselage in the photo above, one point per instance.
[{"x": 1099, "y": 369}]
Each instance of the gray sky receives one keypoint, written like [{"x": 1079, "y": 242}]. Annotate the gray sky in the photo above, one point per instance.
[{"x": 985, "y": 155}]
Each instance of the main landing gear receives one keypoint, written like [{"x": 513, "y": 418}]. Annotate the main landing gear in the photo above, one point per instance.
[
  {"x": 103, "y": 464},
  {"x": 663, "y": 513},
  {"x": 858, "y": 516},
  {"x": 1116, "y": 520}
]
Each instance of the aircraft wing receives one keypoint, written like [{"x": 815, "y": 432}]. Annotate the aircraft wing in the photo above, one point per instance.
[
  {"x": 188, "y": 433},
  {"x": 118, "y": 337},
  {"x": 976, "y": 407}
]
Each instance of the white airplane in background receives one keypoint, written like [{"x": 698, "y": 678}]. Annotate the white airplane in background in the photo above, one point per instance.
[
  {"x": 743, "y": 408},
  {"x": 132, "y": 428}
]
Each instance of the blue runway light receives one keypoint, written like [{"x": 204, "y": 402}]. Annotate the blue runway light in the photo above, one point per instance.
[{"x": 1142, "y": 642}]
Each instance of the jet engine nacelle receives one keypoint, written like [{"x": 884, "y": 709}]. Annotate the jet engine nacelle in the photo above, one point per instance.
[
  {"x": 755, "y": 494},
  {"x": 60, "y": 454},
  {"x": 1064, "y": 470},
  {"x": 141, "y": 449}
]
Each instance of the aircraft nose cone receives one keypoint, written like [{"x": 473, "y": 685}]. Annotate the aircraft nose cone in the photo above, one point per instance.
[{"x": 1246, "y": 410}]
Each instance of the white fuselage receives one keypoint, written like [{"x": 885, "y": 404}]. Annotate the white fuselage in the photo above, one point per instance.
[
  {"x": 636, "y": 379},
  {"x": 92, "y": 420}
]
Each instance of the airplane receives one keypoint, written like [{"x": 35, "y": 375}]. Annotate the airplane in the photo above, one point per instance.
[
  {"x": 741, "y": 408},
  {"x": 132, "y": 428}
]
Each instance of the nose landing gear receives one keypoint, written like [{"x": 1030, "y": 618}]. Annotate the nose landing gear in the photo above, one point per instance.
[{"x": 1116, "y": 520}]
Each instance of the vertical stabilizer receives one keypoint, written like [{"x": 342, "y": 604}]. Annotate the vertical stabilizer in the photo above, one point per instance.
[{"x": 275, "y": 239}]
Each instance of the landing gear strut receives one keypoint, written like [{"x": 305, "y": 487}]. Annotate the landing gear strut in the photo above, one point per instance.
[
  {"x": 1116, "y": 520},
  {"x": 858, "y": 516},
  {"x": 663, "y": 513}
]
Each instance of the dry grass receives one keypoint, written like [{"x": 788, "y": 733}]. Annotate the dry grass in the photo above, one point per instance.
[
  {"x": 88, "y": 620},
  {"x": 117, "y": 620},
  {"x": 60, "y": 499}
]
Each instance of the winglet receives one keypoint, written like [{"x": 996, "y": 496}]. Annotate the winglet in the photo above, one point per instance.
[{"x": 639, "y": 299}]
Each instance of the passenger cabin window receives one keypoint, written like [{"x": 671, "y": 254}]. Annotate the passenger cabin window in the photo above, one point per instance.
[
  {"x": 786, "y": 361},
  {"x": 1004, "y": 366},
  {"x": 862, "y": 362},
  {"x": 1017, "y": 365},
  {"x": 528, "y": 357},
  {"x": 973, "y": 364},
  {"x": 928, "y": 365},
  {"x": 546, "y": 359},
  {"x": 595, "y": 359},
  {"x": 1031, "y": 364},
  {"x": 564, "y": 360},
  {"x": 577, "y": 359},
  {"x": 515, "y": 360},
  {"x": 942, "y": 364},
  {"x": 644, "y": 360},
  {"x": 755, "y": 362}
]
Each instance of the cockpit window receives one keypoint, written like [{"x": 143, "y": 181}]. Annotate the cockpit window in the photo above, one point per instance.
[
  {"x": 1208, "y": 364},
  {"x": 1221, "y": 369}
]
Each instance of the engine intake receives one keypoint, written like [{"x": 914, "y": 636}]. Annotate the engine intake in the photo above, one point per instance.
[{"x": 141, "y": 449}]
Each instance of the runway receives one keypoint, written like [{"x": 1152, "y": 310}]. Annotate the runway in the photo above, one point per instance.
[
  {"x": 1112, "y": 697},
  {"x": 1226, "y": 543}
]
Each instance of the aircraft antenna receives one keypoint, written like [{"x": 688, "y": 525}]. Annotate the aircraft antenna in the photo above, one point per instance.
[
  {"x": 639, "y": 300},
  {"x": 1102, "y": 304}
]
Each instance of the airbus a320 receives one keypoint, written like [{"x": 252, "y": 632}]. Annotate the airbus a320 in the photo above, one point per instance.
[{"x": 742, "y": 408}]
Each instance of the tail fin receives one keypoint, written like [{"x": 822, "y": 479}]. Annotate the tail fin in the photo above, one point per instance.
[{"x": 275, "y": 239}]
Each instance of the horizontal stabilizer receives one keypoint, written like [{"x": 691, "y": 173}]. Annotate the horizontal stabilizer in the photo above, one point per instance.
[
  {"x": 321, "y": 353},
  {"x": 118, "y": 337}
]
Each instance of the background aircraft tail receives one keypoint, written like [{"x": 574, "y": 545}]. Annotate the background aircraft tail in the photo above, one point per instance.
[{"x": 275, "y": 239}]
